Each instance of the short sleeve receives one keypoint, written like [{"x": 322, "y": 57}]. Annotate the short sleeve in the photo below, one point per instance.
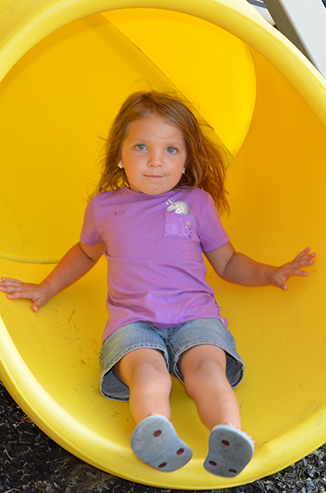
[
  {"x": 89, "y": 234},
  {"x": 211, "y": 231}
]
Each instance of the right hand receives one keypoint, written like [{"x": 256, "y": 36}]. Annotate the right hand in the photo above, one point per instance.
[{"x": 39, "y": 294}]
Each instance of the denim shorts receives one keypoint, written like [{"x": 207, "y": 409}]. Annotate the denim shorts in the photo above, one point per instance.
[{"x": 172, "y": 342}]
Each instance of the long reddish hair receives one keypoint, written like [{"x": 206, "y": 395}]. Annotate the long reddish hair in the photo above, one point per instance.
[{"x": 204, "y": 164}]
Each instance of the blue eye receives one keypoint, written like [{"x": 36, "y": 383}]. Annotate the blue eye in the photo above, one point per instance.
[
  {"x": 140, "y": 147},
  {"x": 172, "y": 150}
]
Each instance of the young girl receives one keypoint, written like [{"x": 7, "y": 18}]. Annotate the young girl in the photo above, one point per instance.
[{"x": 152, "y": 216}]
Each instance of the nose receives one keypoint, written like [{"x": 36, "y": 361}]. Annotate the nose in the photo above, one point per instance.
[{"x": 155, "y": 159}]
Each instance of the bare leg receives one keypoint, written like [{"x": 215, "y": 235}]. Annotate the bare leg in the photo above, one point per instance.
[
  {"x": 204, "y": 371},
  {"x": 154, "y": 440},
  {"x": 145, "y": 372}
]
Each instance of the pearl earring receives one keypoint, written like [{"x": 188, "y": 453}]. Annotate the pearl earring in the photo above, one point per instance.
[
  {"x": 183, "y": 171},
  {"x": 120, "y": 164}
]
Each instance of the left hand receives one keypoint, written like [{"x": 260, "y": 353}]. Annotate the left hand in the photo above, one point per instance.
[{"x": 280, "y": 275}]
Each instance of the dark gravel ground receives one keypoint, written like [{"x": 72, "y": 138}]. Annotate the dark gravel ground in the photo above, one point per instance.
[{"x": 31, "y": 462}]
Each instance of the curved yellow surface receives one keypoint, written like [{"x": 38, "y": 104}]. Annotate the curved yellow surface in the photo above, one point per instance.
[{"x": 66, "y": 67}]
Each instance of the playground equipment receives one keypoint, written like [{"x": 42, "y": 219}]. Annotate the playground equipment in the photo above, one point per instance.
[
  {"x": 66, "y": 67},
  {"x": 262, "y": 9},
  {"x": 304, "y": 23}
]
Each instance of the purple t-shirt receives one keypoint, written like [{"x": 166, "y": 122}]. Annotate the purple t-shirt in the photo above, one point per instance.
[{"x": 153, "y": 246}]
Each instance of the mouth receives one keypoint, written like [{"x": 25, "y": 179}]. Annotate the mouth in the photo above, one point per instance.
[{"x": 154, "y": 176}]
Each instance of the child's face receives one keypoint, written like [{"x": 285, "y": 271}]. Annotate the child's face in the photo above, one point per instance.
[{"x": 153, "y": 155}]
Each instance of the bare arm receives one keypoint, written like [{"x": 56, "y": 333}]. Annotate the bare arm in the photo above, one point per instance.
[
  {"x": 237, "y": 268},
  {"x": 74, "y": 265}
]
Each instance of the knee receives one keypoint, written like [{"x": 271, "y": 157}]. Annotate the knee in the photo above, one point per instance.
[
  {"x": 142, "y": 366},
  {"x": 151, "y": 372},
  {"x": 204, "y": 371},
  {"x": 152, "y": 369}
]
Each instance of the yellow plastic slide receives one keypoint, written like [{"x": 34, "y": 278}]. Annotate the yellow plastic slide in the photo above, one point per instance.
[{"x": 66, "y": 66}]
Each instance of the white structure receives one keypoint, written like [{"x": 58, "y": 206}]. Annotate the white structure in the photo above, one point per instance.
[
  {"x": 304, "y": 23},
  {"x": 262, "y": 9}
]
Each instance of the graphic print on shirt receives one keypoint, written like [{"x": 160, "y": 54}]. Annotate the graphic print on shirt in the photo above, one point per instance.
[
  {"x": 179, "y": 207},
  {"x": 178, "y": 220}
]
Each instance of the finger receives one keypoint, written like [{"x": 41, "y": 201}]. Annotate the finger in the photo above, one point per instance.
[
  {"x": 305, "y": 254},
  {"x": 296, "y": 270},
  {"x": 18, "y": 295},
  {"x": 10, "y": 279},
  {"x": 303, "y": 261},
  {"x": 11, "y": 284},
  {"x": 300, "y": 272},
  {"x": 12, "y": 288},
  {"x": 309, "y": 257},
  {"x": 23, "y": 293},
  {"x": 280, "y": 283},
  {"x": 306, "y": 250},
  {"x": 300, "y": 265},
  {"x": 35, "y": 307}
]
